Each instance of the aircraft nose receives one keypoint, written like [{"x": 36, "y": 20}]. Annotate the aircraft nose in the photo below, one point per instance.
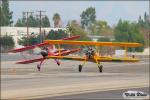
[{"x": 44, "y": 53}]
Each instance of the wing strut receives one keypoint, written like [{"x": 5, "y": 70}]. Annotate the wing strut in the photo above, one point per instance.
[
  {"x": 125, "y": 55},
  {"x": 98, "y": 64},
  {"x": 59, "y": 50},
  {"x": 97, "y": 50}
]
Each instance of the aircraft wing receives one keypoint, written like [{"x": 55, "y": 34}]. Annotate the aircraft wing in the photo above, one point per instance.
[
  {"x": 66, "y": 58},
  {"x": 27, "y": 48},
  {"x": 30, "y": 61},
  {"x": 64, "y": 53},
  {"x": 125, "y": 44},
  {"x": 39, "y": 45},
  {"x": 101, "y": 59},
  {"x": 112, "y": 59}
]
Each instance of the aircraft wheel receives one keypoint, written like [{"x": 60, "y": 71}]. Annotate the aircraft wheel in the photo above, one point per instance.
[
  {"x": 38, "y": 67},
  {"x": 100, "y": 68},
  {"x": 80, "y": 68}
]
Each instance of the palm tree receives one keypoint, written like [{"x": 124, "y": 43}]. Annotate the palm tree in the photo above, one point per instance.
[{"x": 56, "y": 19}]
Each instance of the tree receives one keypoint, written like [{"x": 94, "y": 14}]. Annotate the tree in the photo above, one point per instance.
[
  {"x": 104, "y": 39},
  {"x": 99, "y": 27},
  {"x": 19, "y": 23},
  {"x": 6, "y": 14},
  {"x": 145, "y": 22},
  {"x": 75, "y": 29},
  {"x": 129, "y": 32},
  {"x": 55, "y": 35},
  {"x": 45, "y": 22},
  {"x": 33, "y": 22},
  {"x": 56, "y": 19},
  {"x": 31, "y": 40},
  {"x": 140, "y": 21},
  {"x": 88, "y": 17},
  {"x": 7, "y": 42},
  {"x": 145, "y": 17},
  {"x": 145, "y": 33},
  {"x": 144, "y": 26}
]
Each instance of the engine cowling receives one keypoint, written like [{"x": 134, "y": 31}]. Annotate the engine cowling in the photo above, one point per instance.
[
  {"x": 89, "y": 53},
  {"x": 44, "y": 53}
]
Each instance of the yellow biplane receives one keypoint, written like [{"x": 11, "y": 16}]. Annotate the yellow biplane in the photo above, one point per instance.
[{"x": 93, "y": 56}]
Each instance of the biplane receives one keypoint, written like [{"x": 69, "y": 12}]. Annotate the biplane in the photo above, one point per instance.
[
  {"x": 46, "y": 50},
  {"x": 93, "y": 55}
]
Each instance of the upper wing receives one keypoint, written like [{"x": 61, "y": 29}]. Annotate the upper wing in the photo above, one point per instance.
[
  {"x": 27, "y": 48},
  {"x": 125, "y": 44}
]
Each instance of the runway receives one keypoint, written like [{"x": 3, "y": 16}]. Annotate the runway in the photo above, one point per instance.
[
  {"x": 25, "y": 82},
  {"x": 111, "y": 94}
]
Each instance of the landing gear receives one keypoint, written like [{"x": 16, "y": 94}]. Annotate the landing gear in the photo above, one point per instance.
[
  {"x": 38, "y": 67},
  {"x": 100, "y": 68},
  {"x": 80, "y": 68},
  {"x": 58, "y": 63},
  {"x": 44, "y": 54}
]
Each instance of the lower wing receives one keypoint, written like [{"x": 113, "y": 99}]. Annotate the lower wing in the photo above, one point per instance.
[
  {"x": 67, "y": 52},
  {"x": 30, "y": 61},
  {"x": 111, "y": 59},
  {"x": 100, "y": 59},
  {"x": 27, "y": 48},
  {"x": 66, "y": 58}
]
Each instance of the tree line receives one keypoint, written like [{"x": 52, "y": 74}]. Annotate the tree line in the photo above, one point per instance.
[
  {"x": 124, "y": 31},
  {"x": 34, "y": 21},
  {"x": 6, "y": 43},
  {"x": 5, "y": 14}
]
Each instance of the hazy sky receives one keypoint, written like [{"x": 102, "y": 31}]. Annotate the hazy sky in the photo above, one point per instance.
[{"x": 111, "y": 11}]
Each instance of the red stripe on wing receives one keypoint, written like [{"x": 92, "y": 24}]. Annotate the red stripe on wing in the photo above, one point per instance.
[
  {"x": 29, "y": 61},
  {"x": 27, "y": 48},
  {"x": 39, "y": 45}
]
